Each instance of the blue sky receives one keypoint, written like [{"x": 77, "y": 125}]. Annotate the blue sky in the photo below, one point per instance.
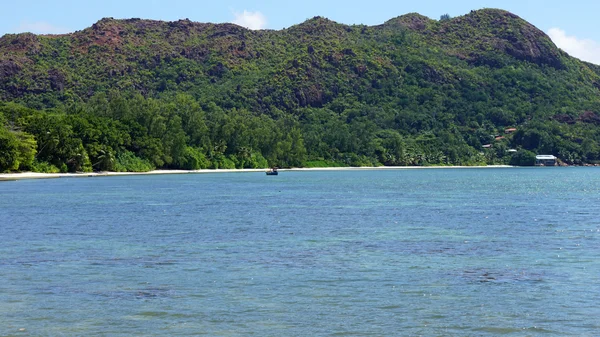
[{"x": 573, "y": 25}]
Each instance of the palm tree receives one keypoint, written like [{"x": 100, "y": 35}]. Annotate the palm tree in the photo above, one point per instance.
[{"x": 106, "y": 160}]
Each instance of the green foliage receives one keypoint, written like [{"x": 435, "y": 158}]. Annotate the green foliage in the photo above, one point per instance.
[
  {"x": 322, "y": 163},
  {"x": 27, "y": 148},
  {"x": 128, "y": 162},
  {"x": 193, "y": 159},
  {"x": 523, "y": 158},
  {"x": 222, "y": 162},
  {"x": 44, "y": 167},
  {"x": 17, "y": 150},
  {"x": 257, "y": 161},
  {"x": 9, "y": 151},
  {"x": 412, "y": 91}
]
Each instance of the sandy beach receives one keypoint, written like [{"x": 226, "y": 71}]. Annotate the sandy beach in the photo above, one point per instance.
[{"x": 35, "y": 175}]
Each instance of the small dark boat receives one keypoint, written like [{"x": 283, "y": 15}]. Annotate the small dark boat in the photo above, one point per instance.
[{"x": 272, "y": 172}]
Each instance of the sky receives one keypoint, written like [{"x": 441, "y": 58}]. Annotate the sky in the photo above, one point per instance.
[{"x": 572, "y": 25}]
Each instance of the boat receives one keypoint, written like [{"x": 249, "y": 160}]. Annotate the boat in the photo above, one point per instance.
[{"x": 272, "y": 172}]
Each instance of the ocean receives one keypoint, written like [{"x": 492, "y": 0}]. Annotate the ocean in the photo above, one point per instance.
[{"x": 407, "y": 252}]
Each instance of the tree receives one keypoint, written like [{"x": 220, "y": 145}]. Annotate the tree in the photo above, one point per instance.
[
  {"x": 105, "y": 160},
  {"x": 9, "y": 151},
  {"x": 523, "y": 158},
  {"x": 27, "y": 147}
]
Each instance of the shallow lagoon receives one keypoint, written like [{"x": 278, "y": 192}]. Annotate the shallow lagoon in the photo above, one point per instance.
[{"x": 396, "y": 252}]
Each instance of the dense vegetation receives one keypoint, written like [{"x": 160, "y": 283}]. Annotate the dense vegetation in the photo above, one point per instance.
[{"x": 133, "y": 95}]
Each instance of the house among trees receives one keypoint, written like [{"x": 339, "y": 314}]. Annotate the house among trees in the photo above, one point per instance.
[
  {"x": 545, "y": 160},
  {"x": 510, "y": 130}
]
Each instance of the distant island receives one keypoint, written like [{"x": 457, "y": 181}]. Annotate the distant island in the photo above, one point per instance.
[{"x": 134, "y": 95}]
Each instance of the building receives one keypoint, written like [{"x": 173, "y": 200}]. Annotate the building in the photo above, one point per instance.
[{"x": 545, "y": 160}]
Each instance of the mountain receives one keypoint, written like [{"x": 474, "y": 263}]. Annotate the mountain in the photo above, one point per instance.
[{"x": 411, "y": 91}]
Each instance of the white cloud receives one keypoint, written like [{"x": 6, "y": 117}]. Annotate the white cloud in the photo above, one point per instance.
[
  {"x": 584, "y": 49},
  {"x": 250, "y": 20},
  {"x": 39, "y": 27}
]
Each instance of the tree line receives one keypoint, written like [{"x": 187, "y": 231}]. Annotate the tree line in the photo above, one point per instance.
[{"x": 112, "y": 132}]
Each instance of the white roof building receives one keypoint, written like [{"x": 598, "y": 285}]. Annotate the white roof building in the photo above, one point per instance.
[{"x": 545, "y": 160}]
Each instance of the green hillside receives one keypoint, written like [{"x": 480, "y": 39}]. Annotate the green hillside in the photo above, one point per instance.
[{"x": 133, "y": 95}]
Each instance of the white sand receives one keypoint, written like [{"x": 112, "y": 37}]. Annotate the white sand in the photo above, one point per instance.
[{"x": 34, "y": 175}]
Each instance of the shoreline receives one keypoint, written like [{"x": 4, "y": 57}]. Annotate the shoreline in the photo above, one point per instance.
[{"x": 36, "y": 175}]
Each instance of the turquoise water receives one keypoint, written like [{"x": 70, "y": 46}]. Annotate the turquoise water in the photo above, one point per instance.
[{"x": 469, "y": 252}]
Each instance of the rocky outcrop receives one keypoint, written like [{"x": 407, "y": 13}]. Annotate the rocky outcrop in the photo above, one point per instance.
[
  {"x": 57, "y": 80},
  {"x": 8, "y": 68}
]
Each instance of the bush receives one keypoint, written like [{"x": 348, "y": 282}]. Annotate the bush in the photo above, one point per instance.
[
  {"x": 323, "y": 163},
  {"x": 194, "y": 159},
  {"x": 128, "y": 162},
  {"x": 257, "y": 161},
  {"x": 445, "y": 17},
  {"x": 523, "y": 158},
  {"x": 221, "y": 162},
  {"x": 43, "y": 167}
]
